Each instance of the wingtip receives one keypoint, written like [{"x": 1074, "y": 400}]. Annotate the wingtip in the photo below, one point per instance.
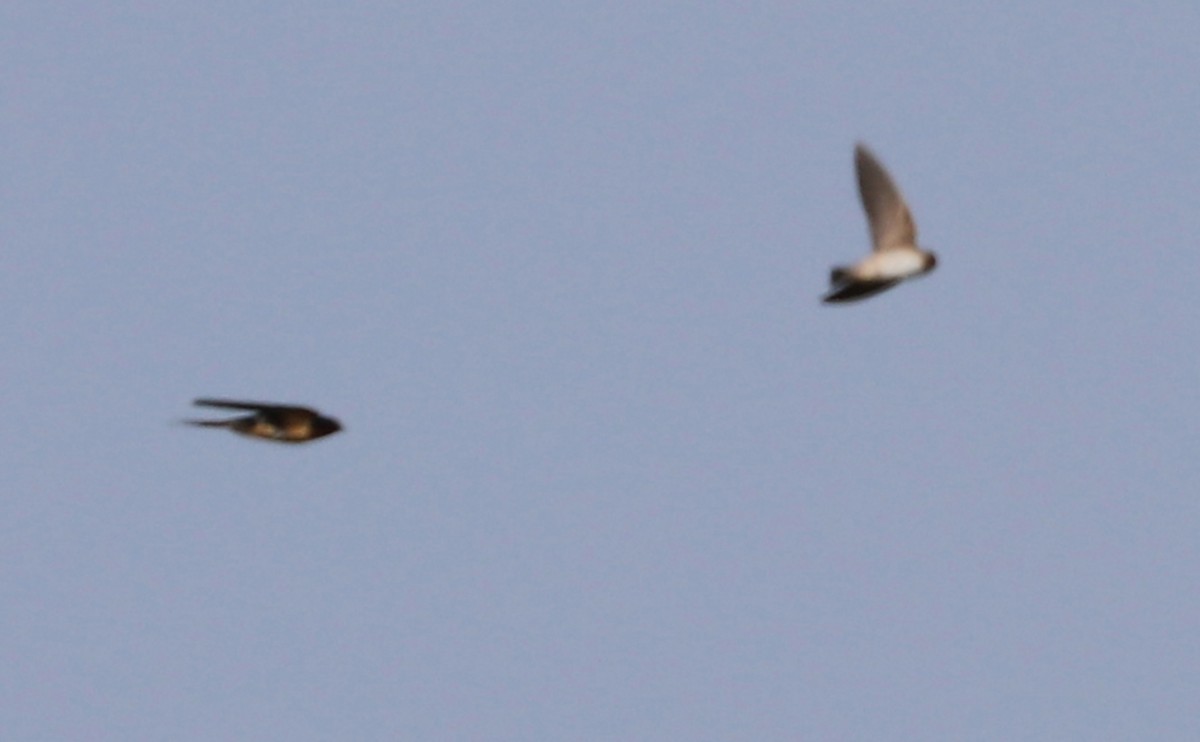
[
  {"x": 229, "y": 404},
  {"x": 863, "y": 155}
]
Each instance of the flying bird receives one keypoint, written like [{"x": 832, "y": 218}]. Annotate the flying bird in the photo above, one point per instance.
[
  {"x": 273, "y": 422},
  {"x": 895, "y": 257}
]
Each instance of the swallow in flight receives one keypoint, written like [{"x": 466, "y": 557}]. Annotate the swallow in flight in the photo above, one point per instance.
[
  {"x": 273, "y": 422},
  {"x": 896, "y": 256}
]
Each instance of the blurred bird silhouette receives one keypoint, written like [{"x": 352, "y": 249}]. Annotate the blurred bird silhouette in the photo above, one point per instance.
[
  {"x": 272, "y": 422},
  {"x": 895, "y": 257}
]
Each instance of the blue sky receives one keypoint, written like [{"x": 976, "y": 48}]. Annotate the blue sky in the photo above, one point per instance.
[{"x": 611, "y": 471}]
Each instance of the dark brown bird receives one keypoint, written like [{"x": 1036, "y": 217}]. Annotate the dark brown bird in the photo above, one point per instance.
[{"x": 273, "y": 422}]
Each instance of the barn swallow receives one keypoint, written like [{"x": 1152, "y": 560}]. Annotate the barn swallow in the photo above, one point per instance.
[
  {"x": 274, "y": 422},
  {"x": 896, "y": 256}
]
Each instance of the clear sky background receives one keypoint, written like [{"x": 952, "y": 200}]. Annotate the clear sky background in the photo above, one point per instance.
[{"x": 611, "y": 471}]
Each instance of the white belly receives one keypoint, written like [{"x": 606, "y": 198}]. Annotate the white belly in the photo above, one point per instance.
[{"x": 890, "y": 265}]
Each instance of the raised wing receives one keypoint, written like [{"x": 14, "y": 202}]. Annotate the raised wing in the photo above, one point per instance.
[{"x": 891, "y": 222}]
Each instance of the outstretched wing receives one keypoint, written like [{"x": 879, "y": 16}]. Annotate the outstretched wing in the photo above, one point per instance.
[
  {"x": 856, "y": 291},
  {"x": 891, "y": 222},
  {"x": 231, "y": 404}
]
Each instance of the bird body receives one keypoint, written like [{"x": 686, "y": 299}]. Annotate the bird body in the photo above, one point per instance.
[{"x": 887, "y": 265}]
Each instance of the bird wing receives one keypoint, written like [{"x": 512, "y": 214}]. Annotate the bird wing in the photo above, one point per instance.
[
  {"x": 891, "y": 222},
  {"x": 856, "y": 290},
  {"x": 231, "y": 404}
]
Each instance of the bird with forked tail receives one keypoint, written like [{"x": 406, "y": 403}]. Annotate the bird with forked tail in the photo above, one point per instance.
[{"x": 272, "y": 422}]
